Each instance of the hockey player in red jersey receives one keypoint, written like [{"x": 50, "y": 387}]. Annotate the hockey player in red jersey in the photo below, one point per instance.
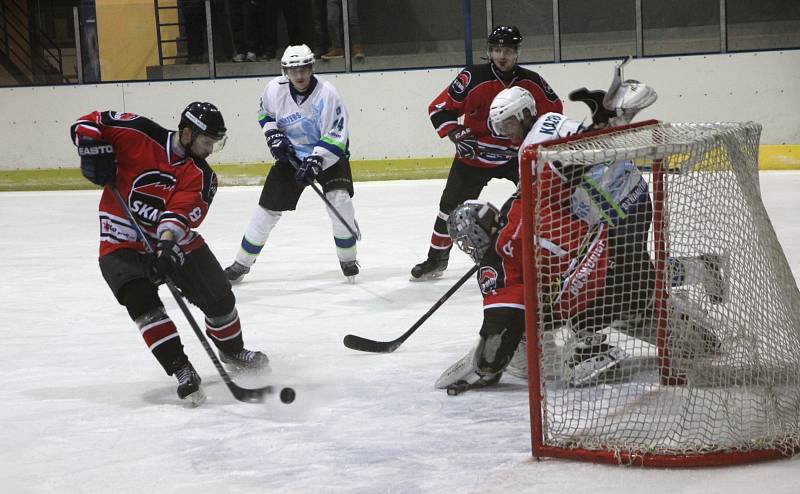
[
  {"x": 593, "y": 265},
  {"x": 168, "y": 186},
  {"x": 481, "y": 154},
  {"x": 574, "y": 255}
]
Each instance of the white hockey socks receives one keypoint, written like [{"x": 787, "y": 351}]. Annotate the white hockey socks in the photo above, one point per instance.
[
  {"x": 345, "y": 242},
  {"x": 255, "y": 236}
]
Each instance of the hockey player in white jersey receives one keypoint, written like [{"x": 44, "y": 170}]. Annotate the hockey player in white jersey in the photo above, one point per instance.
[{"x": 305, "y": 124}]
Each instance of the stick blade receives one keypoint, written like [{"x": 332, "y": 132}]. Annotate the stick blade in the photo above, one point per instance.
[
  {"x": 246, "y": 395},
  {"x": 354, "y": 342}
]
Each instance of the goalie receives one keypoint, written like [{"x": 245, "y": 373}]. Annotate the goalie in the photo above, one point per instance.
[{"x": 589, "y": 249}]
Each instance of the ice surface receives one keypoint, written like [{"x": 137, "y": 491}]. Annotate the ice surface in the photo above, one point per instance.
[{"x": 86, "y": 409}]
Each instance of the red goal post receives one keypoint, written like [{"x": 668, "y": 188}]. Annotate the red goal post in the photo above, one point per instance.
[{"x": 737, "y": 404}]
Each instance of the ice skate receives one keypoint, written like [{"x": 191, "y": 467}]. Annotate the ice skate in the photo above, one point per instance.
[
  {"x": 245, "y": 359},
  {"x": 690, "y": 335},
  {"x": 713, "y": 281},
  {"x": 350, "y": 270},
  {"x": 189, "y": 381},
  {"x": 236, "y": 271},
  {"x": 592, "y": 360},
  {"x": 429, "y": 269}
]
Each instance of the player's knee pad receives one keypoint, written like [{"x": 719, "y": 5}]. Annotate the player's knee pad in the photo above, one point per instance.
[
  {"x": 139, "y": 297},
  {"x": 501, "y": 333}
]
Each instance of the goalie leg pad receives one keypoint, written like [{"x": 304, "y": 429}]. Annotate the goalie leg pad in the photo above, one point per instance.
[{"x": 467, "y": 370}]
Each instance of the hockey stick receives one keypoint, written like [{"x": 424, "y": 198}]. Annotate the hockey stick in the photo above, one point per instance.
[
  {"x": 355, "y": 233},
  {"x": 366, "y": 345},
  {"x": 242, "y": 394}
]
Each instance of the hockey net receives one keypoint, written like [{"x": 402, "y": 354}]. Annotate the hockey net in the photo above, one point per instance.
[{"x": 711, "y": 369}]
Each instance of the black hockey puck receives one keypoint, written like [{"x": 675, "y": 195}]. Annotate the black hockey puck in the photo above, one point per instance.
[{"x": 287, "y": 395}]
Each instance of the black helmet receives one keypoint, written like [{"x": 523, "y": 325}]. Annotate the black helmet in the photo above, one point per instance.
[
  {"x": 505, "y": 36},
  {"x": 204, "y": 118}
]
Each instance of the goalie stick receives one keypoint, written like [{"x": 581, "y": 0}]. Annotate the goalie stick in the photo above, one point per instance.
[
  {"x": 356, "y": 233},
  {"x": 366, "y": 345},
  {"x": 242, "y": 394}
]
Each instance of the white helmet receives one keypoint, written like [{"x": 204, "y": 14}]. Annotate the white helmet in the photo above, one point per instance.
[
  {"x": 297, "y": 56},
  {"x": 511, "y": 102}
]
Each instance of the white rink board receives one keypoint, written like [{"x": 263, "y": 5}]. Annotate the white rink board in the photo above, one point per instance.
[{"x": 389, "y": 110}]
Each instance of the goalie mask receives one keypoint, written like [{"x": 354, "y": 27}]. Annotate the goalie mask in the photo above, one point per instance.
[{"x": 472, "y": 226}]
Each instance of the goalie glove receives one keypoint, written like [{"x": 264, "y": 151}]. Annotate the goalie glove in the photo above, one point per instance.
[
  {"x": 465, "y": 141},
  {"x": 627, "y": 98},
  {"x": 594, "y": 100},
  {"x": 620, "y": 104}
]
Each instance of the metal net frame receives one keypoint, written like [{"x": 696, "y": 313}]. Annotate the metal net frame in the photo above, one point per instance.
[{"x": 712, "y": 369}]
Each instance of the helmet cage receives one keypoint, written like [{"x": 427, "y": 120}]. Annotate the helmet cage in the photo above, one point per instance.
[{"x": 472, "y": 226}]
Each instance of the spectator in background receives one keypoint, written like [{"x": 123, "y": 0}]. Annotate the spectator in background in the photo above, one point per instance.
[
  {"x": 336, "y": 31},
  {"x": 319, "y": 14},
  {"x": 291, "y": 10},
  {"x": 243, "y": 29},
  {"x": 194, "y": 21}
]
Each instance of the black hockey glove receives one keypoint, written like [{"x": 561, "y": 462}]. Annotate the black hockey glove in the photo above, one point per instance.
[
  {"x": 98, "y": 162},
  {"x": 280, "y": 146},
  {"x": 465, "y": 141},
  {"x": 594, "y": 100},
  {"x": 308, "y": 169},
  {"x": 167, "y": 261}
]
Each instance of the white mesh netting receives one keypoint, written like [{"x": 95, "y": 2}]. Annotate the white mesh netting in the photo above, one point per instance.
[{"x": 692, "y": 342}]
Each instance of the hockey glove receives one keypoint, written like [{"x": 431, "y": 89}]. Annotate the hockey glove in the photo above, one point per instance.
[
  {"x": 308, "y": 169},
  {"x": 280, "y": 146},
  {"x": 167, "y": 261},
  {"x": 98, "y": 162},
  {"x": 465, "y": 141}
]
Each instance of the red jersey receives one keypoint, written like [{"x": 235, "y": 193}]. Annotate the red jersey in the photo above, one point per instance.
[
  {"x": 163, "y": 190},
  {"x": 471, "y": 94},
  {"x": 572, "y": 258}
]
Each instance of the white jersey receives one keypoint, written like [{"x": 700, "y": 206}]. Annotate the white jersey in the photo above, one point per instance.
[
  {"x": 548, "y": 127},
  {"x": 317, "y": 125},
  {"x": 607, "y": 191}
]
